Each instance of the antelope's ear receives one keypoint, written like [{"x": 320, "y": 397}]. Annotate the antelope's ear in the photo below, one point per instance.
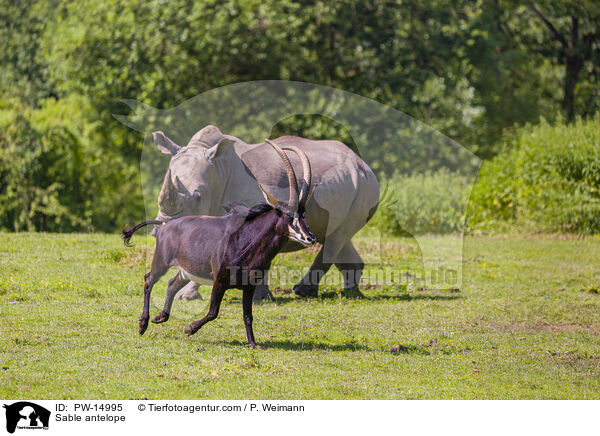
[
  {"x": 223, "y": 147},
  {"x": 164, "y": 144},
  {"x": 268, "y": 197}
]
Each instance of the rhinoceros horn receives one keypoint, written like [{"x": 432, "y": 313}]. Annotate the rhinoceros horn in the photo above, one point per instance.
[{"x": 168, "y": 198}]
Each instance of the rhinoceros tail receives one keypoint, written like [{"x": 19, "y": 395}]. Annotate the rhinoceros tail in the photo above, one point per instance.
[{"x": 127, "y": 234}]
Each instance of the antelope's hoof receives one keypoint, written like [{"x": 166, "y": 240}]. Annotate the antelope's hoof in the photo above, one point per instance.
[
  {"x": 310, "y": 291},
  {"x": 161, "y": 317},
  {"x": 257, "y": 347},
  {"x": 143, "y": 325},
  {"x": 191, "y": 329}
]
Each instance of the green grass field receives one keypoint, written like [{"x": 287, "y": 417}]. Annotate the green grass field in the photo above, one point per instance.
[{"x": 525, "y": 323}]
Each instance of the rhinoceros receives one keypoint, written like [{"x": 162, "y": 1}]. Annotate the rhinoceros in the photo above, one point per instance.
[{"x": 215, "y": 169}]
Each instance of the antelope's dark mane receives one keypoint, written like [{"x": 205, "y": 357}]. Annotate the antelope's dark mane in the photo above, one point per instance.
[
  {"x": 248, "y": 213},
  {"x": 258, "y": 210}
]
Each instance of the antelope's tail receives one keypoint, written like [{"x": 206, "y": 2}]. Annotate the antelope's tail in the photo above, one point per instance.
[{"x": 127, "y": 234}]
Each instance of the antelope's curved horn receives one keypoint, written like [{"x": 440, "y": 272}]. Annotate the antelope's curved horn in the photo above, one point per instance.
[
  {"x": 306, "y": 173},
  {"x": 293, "y": 202}
]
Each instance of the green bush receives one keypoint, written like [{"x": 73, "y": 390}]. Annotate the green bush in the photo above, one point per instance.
[
  {"x": 433, "y": 202},
  {"x": 54, "y": 175},
  {"x": 547, "y": 178}
]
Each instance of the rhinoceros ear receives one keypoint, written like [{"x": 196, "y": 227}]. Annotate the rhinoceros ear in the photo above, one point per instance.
[
  {"x": 222, "y": 148},
  {"x": 164, "y": 144}
]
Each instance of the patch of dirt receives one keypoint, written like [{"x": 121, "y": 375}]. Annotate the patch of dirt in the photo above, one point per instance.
[
  {"x": 369, "y": 286},
  {"x": 281, "y": 291},
  {"x": 399, "y": 349},
  {"x": 408, "y": 349}
]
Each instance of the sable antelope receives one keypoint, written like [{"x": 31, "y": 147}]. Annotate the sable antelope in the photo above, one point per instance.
[{"x": 231, "y": 251}]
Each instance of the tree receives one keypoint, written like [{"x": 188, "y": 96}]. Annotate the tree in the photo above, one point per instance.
[
  {"x": 574, "y": 27},
  {"x": 23, "y": 70},
  {"x": 470, "y": 69}
]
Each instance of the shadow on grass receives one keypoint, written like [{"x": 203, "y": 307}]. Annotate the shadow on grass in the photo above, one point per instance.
[
  {"x": 399, "y": 349},
  {"x": 305, "y": 346},
  {"x": 381, "y": 297}
]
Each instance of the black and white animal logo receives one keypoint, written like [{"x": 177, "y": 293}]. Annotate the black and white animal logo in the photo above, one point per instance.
[{"x": 26, "y": 415}]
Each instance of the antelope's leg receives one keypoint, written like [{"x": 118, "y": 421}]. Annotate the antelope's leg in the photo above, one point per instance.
[
  {"x": 175, "y": 284},
  {"x": 247, "y": 306},
  {"x": 150, "y": 279},
  {"x": 215, "y": 303}
]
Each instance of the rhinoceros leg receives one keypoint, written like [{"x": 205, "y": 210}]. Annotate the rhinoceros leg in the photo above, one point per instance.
[
  {"x": 189, "y": 292},
  {"x": 262, "y": 292},
  {"x": 309, "y": 285},
  {"x": 350, "y": 265},
  {"x": 348, "y": 261}
]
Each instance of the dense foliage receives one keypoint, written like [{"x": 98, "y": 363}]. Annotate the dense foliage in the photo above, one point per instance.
[
  {"x": 57, "y": 173},
  {"x": 471, "y": 70},
  {"x": 548, "y": 178}
]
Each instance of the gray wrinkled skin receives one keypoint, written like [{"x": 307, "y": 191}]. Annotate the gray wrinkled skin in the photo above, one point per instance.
[{"x": 215, "y": 169}]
